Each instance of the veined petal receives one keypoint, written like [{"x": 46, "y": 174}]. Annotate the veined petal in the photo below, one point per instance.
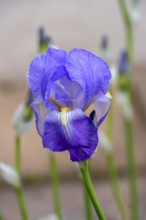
[
  {"x": 40, "y": 115},
  {"x": 72, "y": 131},
  {"x": 90, "y": 71},
  {"x": 66, "y": 93},
  {"x": 41, "y": 69},
  {"x": 102, "y": 106}
]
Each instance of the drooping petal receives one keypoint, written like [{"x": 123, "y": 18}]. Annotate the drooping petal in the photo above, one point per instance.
[
  {"x": 102, "y": 106},
  {"x": 42, "y": 68},
  {"x": 40, "y": 115},
  {"x": 72, "y": 131},
  {"x": 90, "y": 71}
]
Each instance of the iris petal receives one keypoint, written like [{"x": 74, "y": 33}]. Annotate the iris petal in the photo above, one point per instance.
[
  {"x": 102, "y": 106},
  {"x": 40, "y": 115},
  {"x": 72, "y": 131},
  {"x": 42, "y": 68},
  {"x": 66, "y": 93},
  {"x": 90, "y": 71}
]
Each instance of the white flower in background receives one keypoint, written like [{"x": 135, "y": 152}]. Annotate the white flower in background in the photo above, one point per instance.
[
  {"x": 114, "y": 72},
  {"x": 49, "y": 217},
  {"x": 135, "y": 12},
  {"x": 19, "y": 123},
  {"x": 9, "y": 175},
  {"x": 123, "y": 100},
  {"x": 104, "y": 142}
]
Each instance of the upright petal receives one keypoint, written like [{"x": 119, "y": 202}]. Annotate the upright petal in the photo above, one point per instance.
[
  {"x": 102, "y": 106},
  {"x": 66, "y": 93},
  {"x": 90, "y": 71},
  {"x": 42, "y": 68},
  {"x": 72, "y": 131}
]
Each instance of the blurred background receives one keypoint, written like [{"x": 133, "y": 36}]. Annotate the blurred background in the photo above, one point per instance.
[{"x": 72, "y": 24}]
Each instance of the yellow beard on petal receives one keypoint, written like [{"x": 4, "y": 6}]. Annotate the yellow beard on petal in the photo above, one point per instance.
[{"x": 63, "y": 115}]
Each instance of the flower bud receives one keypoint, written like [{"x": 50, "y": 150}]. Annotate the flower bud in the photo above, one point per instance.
[
  {"x": 123, "y": 100},
  {"x": 135, "y": 13},
  {"x": 20, "y": 122},
  {"x": 44, "y": 40},
  {"x": 104, "y": 142},
  {"x": 124, "y": 71},
  {"x": 49, "y": 217},
  {"x": 104, "y": 47},
  {"x": 9, "y": 175}
]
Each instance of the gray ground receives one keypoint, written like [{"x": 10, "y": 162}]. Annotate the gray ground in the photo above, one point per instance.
[{"x": 39, "y": 200}]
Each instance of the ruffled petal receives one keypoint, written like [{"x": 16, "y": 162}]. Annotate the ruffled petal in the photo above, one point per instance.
[
  {"x": 40, "y": 115},
  {"x": 63, "y": 90},
  {"x": 72, "y": 131},
  {"x": 102, "y": 106},
  {"x": 42, "y": 68},
  {"x": 90, "y": 71}
]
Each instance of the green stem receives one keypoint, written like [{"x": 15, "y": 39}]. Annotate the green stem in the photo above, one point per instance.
[
  {"x": 92, "y": 194},
  {"x": 112, "y": 171},
  {"x": 111, "y": 166},
  {"x": 1, "y": 217},
  {"x": 132, "y": 169},
  {"x": 88, "y": 204},
  {"x": 18, "y": 154},
  {"x": 55, "y": 185},
  {"x": 19, "y": 190},
  {"x": 128, "y": 29}
]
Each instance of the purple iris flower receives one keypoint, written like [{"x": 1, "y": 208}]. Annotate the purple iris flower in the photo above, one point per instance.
[{"x": 64, "y": 85}]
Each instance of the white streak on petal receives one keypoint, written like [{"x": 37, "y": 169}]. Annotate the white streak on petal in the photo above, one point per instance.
[{"x": 63, "y": 117}]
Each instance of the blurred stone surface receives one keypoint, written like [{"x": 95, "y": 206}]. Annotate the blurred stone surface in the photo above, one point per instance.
[{"x": 79, "y": 23}]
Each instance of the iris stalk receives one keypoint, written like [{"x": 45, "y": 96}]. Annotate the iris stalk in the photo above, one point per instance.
[
  {"x": 1, "y": 217},
  {"x": 128, "y": 29},
  {"x": 87, "y": 202},
  {"x": 84, "y": 168},
  {"x": 132, "y": 169},
  {"x": 112, "y": 170},
  {"x": 19, "y": 190},
  {"x": 55, "y": 185}
]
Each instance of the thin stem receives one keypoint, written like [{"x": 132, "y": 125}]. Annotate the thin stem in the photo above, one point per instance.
[
  {"x": 112, "y": 171},
  {"x": 1, "y": 217},
  {"x": 89, "y": 186},
  {"x": 128, "y": 29},
  {"x": 19, "y": 190},
  {"x": 55, "y": 185},
  {"x": 88, "y": 204},
  {"x": 18, "y": 154},
  {"x": 132, "y": 170},
  {"x": 111, "y": 166}
]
